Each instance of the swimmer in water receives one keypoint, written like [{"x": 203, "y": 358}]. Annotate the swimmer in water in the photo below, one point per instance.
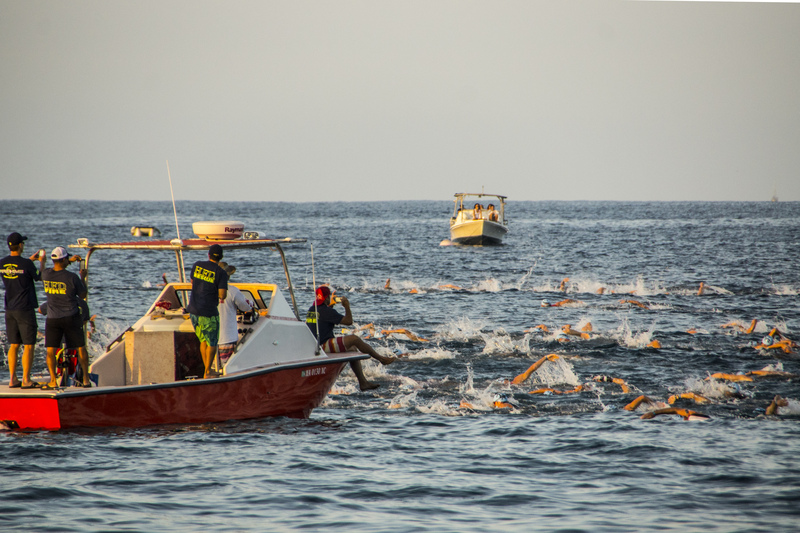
[
  {"x": 776, "y": 403},
  {"x": 546, "y": 303},
  {"x": 644, "y": 400},
  {"x": 686, "y": 414},
  {"x": 618, "y": 381},
  {"x": 637, "y": 303},
  {"x": 567, "y": 330},
  {"x": 770, "y": 374},
  {"x": 729, "y": 377},
  {"x": 578, "y": 388},
  {"x": 687, "y": 396},
  {"x": 403, "y": 331},
  {"x": 775, "y": 340},
  {"x": 741, "y": 328},
  {"x": 525, "y": 375}
]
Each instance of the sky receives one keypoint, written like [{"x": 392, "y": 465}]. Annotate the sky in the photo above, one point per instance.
[{"x": 308, "y": 101}]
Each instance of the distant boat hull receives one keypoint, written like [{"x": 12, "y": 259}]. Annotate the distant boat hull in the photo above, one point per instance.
[
  {"x": 291, "y": 390},
  {"x": 478, "y": 232}
]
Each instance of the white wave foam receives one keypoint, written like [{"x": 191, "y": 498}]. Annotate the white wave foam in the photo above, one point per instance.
[
  {"x": 488, "y": 285},
  {"x": 625, "y": 336},
  {"x": 792, "y": 409},
  {"x": 784, "y": 290},
  {"x": 461, "y": 329},
  {"x": 436, "y": 353},
  {"x": 500, "y": 342}
]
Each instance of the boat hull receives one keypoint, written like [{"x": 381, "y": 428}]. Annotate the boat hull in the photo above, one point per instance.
[
  {"x": 478, "y": 232},
  {"x": 291, "y": 390}
]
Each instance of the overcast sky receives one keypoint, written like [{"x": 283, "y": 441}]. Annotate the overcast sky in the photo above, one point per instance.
[{"x": 399, "y": 100}]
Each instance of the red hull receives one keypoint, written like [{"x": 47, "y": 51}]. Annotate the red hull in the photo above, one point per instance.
[{"x": 287, "y": 390}]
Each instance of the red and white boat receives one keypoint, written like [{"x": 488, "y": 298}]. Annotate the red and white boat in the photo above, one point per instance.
[{"x": 152, "y": 373}]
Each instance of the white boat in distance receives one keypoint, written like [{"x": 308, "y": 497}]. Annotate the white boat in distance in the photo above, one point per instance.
[{"x": 470, "y": 225}]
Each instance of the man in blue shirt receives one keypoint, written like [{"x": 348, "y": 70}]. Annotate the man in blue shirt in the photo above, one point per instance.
[
  {"x": 19, "y": 274},
  {"x": 209, "y": 289}
]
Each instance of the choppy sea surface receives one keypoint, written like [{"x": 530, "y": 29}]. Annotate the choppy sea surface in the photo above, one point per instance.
[{"x": 448, "y": 443}]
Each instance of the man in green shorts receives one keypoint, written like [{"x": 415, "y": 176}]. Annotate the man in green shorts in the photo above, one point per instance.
[{"x": 209, "y": 289}]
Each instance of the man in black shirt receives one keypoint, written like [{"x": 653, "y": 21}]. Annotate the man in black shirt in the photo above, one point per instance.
[
  {"x": 19, "y": 274},
  {"x": 209, "y": 289},
  {"x": 64, "y": 318},
  {"x": 321, "y": 319}
]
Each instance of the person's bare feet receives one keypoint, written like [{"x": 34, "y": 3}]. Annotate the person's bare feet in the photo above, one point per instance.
[{"x": 386, "y": 360}]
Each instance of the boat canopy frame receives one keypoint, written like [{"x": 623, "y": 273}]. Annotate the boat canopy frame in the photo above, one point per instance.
[{"x": 180, "y": 245}]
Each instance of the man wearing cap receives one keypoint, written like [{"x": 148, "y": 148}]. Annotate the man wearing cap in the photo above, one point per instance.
[
  {"x": 209, "y": 289},
  {"x": 322, "y": 317},
  {"x": 64, "y": 320},
  {"x": 19, "y": 274}
]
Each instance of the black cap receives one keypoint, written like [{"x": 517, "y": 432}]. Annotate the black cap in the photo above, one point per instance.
[
  {"x": 215, "y": 252},
  {"x": 16, "y": 238}
]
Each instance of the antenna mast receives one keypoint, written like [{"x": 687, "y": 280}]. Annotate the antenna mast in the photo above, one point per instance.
[{"x": 181, "y": 272}]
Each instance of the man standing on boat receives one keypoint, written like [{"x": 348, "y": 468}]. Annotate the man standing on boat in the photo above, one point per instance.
[
  {"x": 321, "y": 319},
  {"x": 19, "y": 274},
  {"x": 209, "y": 289},
  {"x": 64, "y": 317}
]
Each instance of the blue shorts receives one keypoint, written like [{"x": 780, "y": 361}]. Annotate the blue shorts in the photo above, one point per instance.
[{"x": 206, "y": 328}]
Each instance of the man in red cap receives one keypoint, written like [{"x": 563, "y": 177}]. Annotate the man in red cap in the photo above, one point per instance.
[
  {"x": 322, "y": 318},
  {"x": 19, "y": 274}
]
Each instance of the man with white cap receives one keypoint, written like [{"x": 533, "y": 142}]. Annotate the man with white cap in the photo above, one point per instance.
[
  {"x": 64, "y": 322},
  {"x": 19, "y": 274}
]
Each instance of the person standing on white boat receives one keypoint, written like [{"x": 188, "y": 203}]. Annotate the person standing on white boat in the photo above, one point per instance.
[
  {"x": 228, "y": 327},
  {"x": 19, "y": 274},
  {"x": 477, "y": 212},
  {"x": 321, "y": 319},
  {"x": 209, "y": 289},
  {"x": 64, "y": 317}
]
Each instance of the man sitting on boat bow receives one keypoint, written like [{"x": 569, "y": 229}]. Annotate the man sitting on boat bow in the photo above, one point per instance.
[{"x": 321, "y": 319}]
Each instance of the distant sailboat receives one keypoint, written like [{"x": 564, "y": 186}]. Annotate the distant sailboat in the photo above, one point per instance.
[{"x": 775, "y": 194}]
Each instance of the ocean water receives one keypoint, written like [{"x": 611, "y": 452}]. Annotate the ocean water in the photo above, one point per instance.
[{"x": 430, "y": 450}]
